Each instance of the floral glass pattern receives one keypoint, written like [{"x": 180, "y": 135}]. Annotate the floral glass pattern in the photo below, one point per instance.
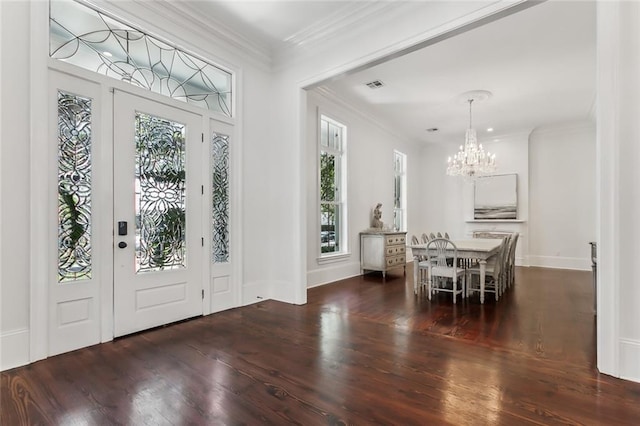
[
  {"x": 74, "y": 187},
  {"x": 220, "y": 198},
  {"x": 160, "y": 182},
  {"x": 92, "y": 40}
]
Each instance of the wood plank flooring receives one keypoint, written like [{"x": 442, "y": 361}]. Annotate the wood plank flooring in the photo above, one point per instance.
[{"x": 362, "y": 351}]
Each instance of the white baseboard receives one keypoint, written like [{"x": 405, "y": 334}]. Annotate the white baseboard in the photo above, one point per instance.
[
  {"x": 14, "y": 349},
  {"x": 630, "y": 359},
  {"x": 556, "y": 262},
  {"x": 332, "y": 273},
  {"x": 521, "y": 261},
  {"x": 255, "y": 292}
]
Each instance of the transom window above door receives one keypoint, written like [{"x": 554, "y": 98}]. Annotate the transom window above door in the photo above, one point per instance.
[{"x": 95, "y": 41}]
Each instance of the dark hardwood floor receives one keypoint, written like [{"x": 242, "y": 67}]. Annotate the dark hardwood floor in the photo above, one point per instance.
[{"x": 362, "y": 351}]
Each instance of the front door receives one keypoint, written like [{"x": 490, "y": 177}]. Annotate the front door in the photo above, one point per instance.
[{"x": 158, "y": 238}]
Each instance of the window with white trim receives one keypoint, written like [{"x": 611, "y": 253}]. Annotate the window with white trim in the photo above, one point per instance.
[
  {"x": 332, "y": 160},
  {"x": 399, "y": 191}
]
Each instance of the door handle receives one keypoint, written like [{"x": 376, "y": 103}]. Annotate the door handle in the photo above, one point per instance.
[{"x": 122, "y": 244}]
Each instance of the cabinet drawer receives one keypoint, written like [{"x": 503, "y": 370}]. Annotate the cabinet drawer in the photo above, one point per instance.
[
  {"x": 393, "y": 250},
  {"x": 396, "y": 260},
  {"x": 395, "y": 239}
]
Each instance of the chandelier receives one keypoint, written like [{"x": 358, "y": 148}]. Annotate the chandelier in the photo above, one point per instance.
[{"x": 471, "y": 160}]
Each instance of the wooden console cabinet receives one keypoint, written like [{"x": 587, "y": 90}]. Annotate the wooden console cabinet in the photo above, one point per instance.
[{"x": 382, "y": 250}]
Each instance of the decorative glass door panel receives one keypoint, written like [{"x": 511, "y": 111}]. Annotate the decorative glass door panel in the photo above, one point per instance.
[
  {"x": 74, "y": 187},
  {"x": 222, "y": 291},
  {"x": 158, "y": 251},
  {"x": 160, "y": 194},
  {"x": 220, "y": 197}
]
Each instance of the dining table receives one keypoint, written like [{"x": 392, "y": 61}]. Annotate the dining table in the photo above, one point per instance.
[{"x": 479, "y": 249}]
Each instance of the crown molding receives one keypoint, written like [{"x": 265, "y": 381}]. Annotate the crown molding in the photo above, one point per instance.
[
  {"x": 523, "y": 134},
  {"x": 341, "y": 19},
  {"x": 566, "y": 128},
  {"x": 216, "y": 32},
  {"x": 516, "y": 135},
  {"x": 343, "y": 24},
  {"x": 358, "y": 109},
  {"x": 248, "y": 46},
  {"x": 378, "y": 15}
]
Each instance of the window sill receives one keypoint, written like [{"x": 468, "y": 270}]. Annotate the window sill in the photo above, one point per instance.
[
  {"x": 495, "y": 221},
  {"x": 333, "y": 258}
]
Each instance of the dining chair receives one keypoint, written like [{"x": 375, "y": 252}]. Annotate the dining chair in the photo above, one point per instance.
[
  {"x": 422, "y": 274},
  {"x": 425, "y": 238},
  {"x": 491, "y": 234},
  {"x": 495, "y": 273},
  {"x": 439, "y": 250},
  {"x": 511, "y": 260},
  {"x": 506, "y": 272},
  {"x": 415, "y": 242},
  {"x": 439, "y": 235}
]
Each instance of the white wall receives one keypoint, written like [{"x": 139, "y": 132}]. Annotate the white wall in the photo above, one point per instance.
[
  {"x": 260, "y": 188},
  {"x": 370, "y": 164},
  {"x": 14, "y": 228},
  {"x": 562, "y": 217},
  {"x": 441, "y": 197},
  {"x": 618, "y": 174},
  {"x": 629, "y": 190}
]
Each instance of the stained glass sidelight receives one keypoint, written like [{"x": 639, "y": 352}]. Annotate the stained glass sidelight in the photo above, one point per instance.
[
  {"x": 160, "y": 181},
  {"x": 220, "y": 198},
  {"x": 74, "y": 187},
  {"x": 95, "y": 41}
]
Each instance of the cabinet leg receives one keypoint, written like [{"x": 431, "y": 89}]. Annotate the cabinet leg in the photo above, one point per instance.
[{"x": 384, "y": 274}]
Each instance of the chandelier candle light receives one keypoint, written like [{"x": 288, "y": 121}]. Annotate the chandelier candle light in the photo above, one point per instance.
[{"x": 471, "y": 160}]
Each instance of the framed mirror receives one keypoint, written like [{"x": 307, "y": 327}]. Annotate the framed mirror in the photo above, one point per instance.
[{"x": 496, "y": 197}]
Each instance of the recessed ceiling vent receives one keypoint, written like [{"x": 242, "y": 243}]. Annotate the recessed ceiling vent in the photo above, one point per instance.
[{"x": 375, "y": 84}]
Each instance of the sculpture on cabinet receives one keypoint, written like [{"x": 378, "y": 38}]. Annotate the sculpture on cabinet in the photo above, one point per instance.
[{"x": 377, "y": 216}]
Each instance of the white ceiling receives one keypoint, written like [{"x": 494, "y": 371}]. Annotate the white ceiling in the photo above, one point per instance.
[
  {"x": 274, "y": 25},
  {"x": 538, "y": 63}
]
